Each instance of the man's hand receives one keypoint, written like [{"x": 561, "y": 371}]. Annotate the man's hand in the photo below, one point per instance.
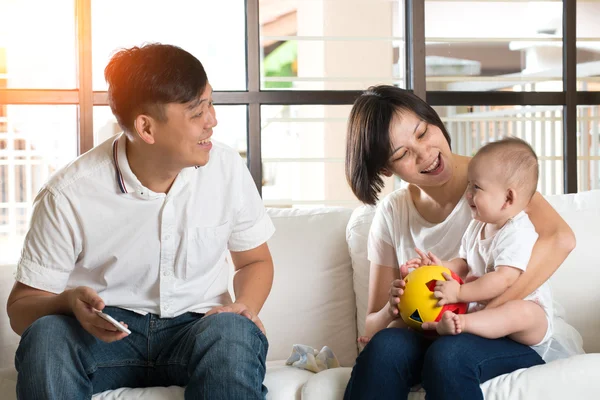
[
  {"x": 447, "y": 291},
  {"x": 83, "y": 301},
  {"x": 241, "y": 309}
]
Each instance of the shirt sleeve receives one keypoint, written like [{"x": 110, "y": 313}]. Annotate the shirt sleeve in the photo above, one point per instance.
[
  {"x": 252, "y": 226},
  {"x": 462, "y": 252},
  {"x": 51, "y": 246},
  {"x": 380, "y": 248},
  {"x": 465, "y": 242},
  {"x": 514, "y": 247}
]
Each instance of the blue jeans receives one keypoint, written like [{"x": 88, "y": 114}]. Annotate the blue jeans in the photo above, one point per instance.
[
  {"x": 449, "y": 367},
  {"x": 218, "y": 357}
]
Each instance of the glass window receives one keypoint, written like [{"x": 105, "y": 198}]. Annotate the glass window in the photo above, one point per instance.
[
  {"x": 38, "y": 44},
  {"x": 31, "y": 149},
  {"x": 213, "y": 31},
  {"x": 231, "y": 128},
  {"x": 329, "y": 45},
  {"x": 588, "y": 147},
  {"x": 303, "y": 150},
  {"x": 541, "y": 126},
  {"x": 588, "y": 45},
  {"x": 492, "y": 45}
]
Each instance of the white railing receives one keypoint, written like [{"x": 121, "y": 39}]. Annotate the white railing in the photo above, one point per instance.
[
  {"x": 22, "y": 172},
  {"x": 542, "y": 127}
]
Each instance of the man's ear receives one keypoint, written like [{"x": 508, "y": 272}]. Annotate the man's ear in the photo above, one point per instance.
[
  {"x": 143, "y": 126},
  {"x": 386, "y": 172},
  {"x": 511, "y": 197}
]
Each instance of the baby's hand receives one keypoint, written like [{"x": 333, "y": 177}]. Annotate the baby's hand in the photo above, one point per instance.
[{"x": 447, "y": 291}]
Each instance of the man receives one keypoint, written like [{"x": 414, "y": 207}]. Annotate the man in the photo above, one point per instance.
[{"x": 138, "y": 227}]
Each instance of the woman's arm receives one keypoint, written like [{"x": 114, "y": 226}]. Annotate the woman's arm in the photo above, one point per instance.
[
  {"x": 379, "y": 311},
  {"x": 556, "y": 240}
]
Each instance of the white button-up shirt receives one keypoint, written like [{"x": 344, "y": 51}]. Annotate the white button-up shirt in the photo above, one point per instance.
[{"x": 95, "y": 225}]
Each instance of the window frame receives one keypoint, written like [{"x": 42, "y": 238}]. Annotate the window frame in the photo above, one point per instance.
[{"x": 254, "y": 97}]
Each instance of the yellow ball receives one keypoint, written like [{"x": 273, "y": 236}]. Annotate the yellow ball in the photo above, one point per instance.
[{"x": 418, "y": 304}]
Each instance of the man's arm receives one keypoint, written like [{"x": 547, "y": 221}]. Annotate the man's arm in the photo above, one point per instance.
[
  {"x": 26, "y": 305},
  {"x": 252, "y": 283},
  {"x": 254, "y": 276}
]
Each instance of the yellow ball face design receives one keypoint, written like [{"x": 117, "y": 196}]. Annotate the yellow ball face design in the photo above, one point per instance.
[{"x": 417, "y": 303}]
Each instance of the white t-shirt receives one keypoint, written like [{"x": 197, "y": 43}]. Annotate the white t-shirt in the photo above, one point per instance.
[
  {"x": 398, "y": 228},
  {"x": 510, "y": 246},
  {"x": 95, "y": 224}
]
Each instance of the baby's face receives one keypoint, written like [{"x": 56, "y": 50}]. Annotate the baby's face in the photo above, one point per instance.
[{"x": 486, "y": 192}]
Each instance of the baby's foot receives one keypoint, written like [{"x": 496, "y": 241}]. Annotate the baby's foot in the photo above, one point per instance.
[
  {"x": 364, "y": 340},
  {"x": 450, "y": 324}
]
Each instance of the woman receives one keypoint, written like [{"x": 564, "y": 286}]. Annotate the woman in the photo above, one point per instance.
[{"x": 393, "y": 132}]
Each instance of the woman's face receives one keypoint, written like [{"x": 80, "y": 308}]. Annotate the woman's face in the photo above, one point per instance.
[{"x": 420, "y": 153}]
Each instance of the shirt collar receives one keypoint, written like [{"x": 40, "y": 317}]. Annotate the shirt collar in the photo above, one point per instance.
[
  {"x": 128, "y": 183},
  {"x": 120, "y": 160}
]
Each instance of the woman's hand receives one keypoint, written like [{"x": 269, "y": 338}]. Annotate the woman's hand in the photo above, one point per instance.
[
  {"x": 427, "y": 258},
  {"x": 396, "y": 290}
]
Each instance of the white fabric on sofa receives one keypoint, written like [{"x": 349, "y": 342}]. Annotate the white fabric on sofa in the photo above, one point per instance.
[
  {"x": 317, "y": 288},
  {"x": 575, "y": 284},
  {"x": 312, "y": 299}
]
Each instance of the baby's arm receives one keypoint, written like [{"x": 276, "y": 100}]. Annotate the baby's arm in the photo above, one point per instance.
[
  {"x": 487, "y": 287},
  {"x": 458, "y": 266}
]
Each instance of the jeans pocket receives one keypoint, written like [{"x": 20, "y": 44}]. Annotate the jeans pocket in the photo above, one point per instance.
[{"x": 205, "y": 247}]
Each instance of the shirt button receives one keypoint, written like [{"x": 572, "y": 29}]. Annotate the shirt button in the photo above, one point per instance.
[{"x": 167, "y": 237}]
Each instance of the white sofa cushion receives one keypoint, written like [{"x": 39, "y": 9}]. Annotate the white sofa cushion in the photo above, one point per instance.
[
  {"x": 575, "y": 284},
  {"x": 357, "y": 233},
  {"x": 574, "y": 377},
  {"x": 283, "y": 382},
  {"x": 312, "y": 299}
]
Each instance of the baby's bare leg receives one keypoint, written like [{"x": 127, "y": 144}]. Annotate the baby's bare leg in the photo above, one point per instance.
[{"x": 521, "y": 320}]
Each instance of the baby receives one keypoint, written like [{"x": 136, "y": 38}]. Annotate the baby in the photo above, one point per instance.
[{"x": 495, "y": 250}]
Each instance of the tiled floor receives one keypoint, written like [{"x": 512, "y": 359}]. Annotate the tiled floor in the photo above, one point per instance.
[{"x": 8, "y": 339}]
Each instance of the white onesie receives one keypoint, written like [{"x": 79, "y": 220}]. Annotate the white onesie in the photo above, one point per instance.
[{"x": 511, "y": 246}]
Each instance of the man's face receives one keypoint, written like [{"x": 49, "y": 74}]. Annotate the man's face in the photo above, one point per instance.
[{"x": 185, "y": 136}]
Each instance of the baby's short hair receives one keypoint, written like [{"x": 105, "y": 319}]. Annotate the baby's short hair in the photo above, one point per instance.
[{"x": 518, "y": 161}]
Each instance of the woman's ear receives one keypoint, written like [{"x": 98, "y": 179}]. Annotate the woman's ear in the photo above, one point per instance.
[
  {"x": 143, "y": 126},
  {"x": 386, "y": 172}
]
